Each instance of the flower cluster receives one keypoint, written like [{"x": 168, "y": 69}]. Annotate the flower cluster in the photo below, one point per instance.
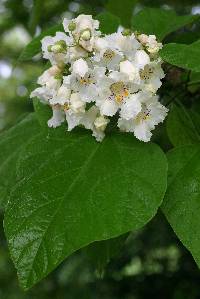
[{"x": 94, "y": 77}]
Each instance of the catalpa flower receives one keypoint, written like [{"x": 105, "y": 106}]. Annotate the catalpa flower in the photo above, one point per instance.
[
  {"x": 85, "y": 80},
  {"x": 95, "y": 77},
  {"x": 151, "y": 114}
]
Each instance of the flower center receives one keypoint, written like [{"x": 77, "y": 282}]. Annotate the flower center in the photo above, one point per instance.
[
  {"x": 85, "y": 81},
  {"x": 119, "y": 91},
  {"x": 66, "y": 107},
  {"x": 108, "y": 54},
  {"x": 143, "y": 115},
  {"x": 146, "y": 73}
]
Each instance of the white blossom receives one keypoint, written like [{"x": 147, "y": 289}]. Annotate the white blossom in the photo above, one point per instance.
[
  {"x": 55, "y": 48},
  {"x": 107, "y": 54},
  {"x": 83, "y": 29},
  {"x": 150, "y": 42},
  {"x": 96, "y": 76},
  {"x": 86, "y": 81},
  {"x": 117, "y": 93},
  {"x": 151, "y": 114}
]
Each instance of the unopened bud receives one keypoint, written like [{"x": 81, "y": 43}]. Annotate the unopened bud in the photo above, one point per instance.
[
  {"x": 72, "y": 26},
  {"x": 101, "y": 123},
  {"x": 126, "y": 32},
  {"x": 56, "y": 49},
  {"x": 59, "y": 47},
  {"x": 86, "y": 35}
]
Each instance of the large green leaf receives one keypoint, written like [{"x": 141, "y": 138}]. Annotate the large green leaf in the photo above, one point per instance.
[
  {"x": 160, "y": 22},
  {"x": 122, "y": 9},
  {"x": 43, "y": 112},
  {"x": 108, "y": 22},
  {"x": 100, "y": 253},
  {"x": 72, "y": 191},
  {"x": 184, "y": 56},
  {"x": 182, "y": 200},
  {"x": 11, "y": 143},
  {"x": 181, "y": 128},
  {"x": 34, "y": 47}
]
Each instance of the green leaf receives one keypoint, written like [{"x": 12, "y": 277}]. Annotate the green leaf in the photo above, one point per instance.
[
  {"x": 34, "y": 47},
  {"x": 194, "y": 79},
  {"x": 100, "y": 253},
  {"x": 181, "y": 204},
  {"x": 122, "y": 9},
  {"x": 11, "y": 143},
  {"x": 181, "y": 128},
  {"x": 184, "y": 56},
  {"x": 108, "y": 22},
  {"x": 72, "y": 191},
  {"x": 160, "y": 22},
  {"x": 35, "y": 16},
  {"x": 43, "y": 112}
]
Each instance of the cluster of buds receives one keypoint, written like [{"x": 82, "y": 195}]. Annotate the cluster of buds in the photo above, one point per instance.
[{"x": 95, "y": 77}]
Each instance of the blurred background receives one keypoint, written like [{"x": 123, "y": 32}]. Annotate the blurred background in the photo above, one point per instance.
[{"x": 152, "y": 263}]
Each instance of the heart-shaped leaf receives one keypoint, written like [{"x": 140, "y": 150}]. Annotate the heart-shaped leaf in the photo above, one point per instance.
[
  {"x": 160, "y": 22},
  {"x": 108, "y": 22},
  {"x": 122, "y": 9},
  {"x": 184, "y": 56},
  {"x": 72, "y": 191},
  {"x": 182, "y": 200},
  {"x": 11, "y": 143},
  {"x": 181, "y": 127}
]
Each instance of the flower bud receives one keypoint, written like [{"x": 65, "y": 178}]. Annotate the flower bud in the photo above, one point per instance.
[
  {"x": 126, "y": 32},
  {"x": 59, "y": 47},
  {"x": 101, "y": 123},
  {"x": 86, "y": 35},
  {"x": 72, "y": 26},
  {"x": 56, "y": 49}
]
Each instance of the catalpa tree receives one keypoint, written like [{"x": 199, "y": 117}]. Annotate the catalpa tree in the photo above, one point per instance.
[{"x": 81, "y": 169}]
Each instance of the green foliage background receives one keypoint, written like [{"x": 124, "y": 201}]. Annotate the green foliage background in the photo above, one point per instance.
[{"x": 153, "y": 262}]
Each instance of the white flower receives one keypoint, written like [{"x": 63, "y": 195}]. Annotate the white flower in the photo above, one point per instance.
[
  {"x": 86, "y": 81},
  {"x": 83, "y": 29},
  {"x": 95, "y": 76},
  {"x": 117, "y": 93},
  {"x": 141, "y": 59},
  {"x": 55, "y": 48},
  {"x": 49, "y": 83},
  {"x": 80, "y": 67},
  {"x": 150, "y": 43},
  {"x": 107, "y": 54},
  {"x": 128, "y": 45},
  {"x": 128, "y": 68},
  {"x": 57, "y": 118},
  {"x": 151, "y": 76},
  {"x": 131, "y": 107},
  {"x": 92, "y": 120},
  {"x": 43, "y": 93},
  {"x": 74, "y": 111},
  {"x": 49, "y": 78},
  {"x": 146, "y": 75},
  {"x": 132, "y": 68},
  {"x": 152, "y": 114},
  {"x": 62, "y": 96}
]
